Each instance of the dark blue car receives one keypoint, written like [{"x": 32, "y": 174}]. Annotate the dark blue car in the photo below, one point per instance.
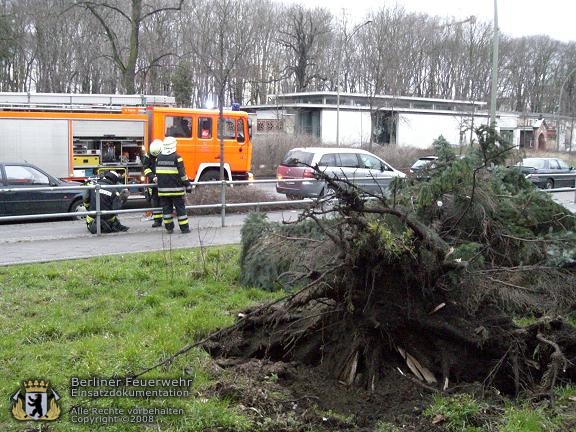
[
  {"x": 548, "y": 173},
  {"x": 20, "y": 175}
]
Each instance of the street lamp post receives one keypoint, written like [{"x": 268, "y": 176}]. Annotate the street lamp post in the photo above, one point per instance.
[
  {"x": 559, "y": 106},
  {"x": 494, "y": 87},
  {"x": 342, "y": 45}
]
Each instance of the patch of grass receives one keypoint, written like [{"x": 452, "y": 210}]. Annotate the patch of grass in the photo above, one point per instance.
[
  {"x": 113, "y": 317},
  {"x": 565, "y": 393},
  {"x": 565, "y": 407},
  {"x": 383, "y": 426},
  {"x": 524, "y": 321},
  {"x": 456, "y": 413},
  {"x": 572, "y": 318},
  {"x": 527, "y": 419}
]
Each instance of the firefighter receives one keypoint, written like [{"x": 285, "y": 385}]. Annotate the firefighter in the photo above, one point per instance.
[
  {"x": 110, "y": 199},
  {"x": 172, "y": 185},
  {"x": 149, "y": 163}
]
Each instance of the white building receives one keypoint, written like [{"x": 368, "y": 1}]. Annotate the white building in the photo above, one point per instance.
[{"x": 405, "y": 121}]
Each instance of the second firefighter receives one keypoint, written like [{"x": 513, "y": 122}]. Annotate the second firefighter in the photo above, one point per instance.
[
  {"x": 149, "y": 162},
  {"x": 172, "y": 186}
]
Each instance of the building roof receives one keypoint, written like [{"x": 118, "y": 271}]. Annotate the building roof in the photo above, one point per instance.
[
  {"x": 306, "y": 95},
  {"x": 363, "y": 102}
]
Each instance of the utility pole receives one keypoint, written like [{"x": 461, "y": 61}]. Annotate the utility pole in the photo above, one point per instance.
[
  {"x": 494, "y": 88},
  {"x": 343, "y": 44}
]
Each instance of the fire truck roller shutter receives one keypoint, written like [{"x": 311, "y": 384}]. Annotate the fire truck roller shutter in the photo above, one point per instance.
[{"x": 40, "y": 142}]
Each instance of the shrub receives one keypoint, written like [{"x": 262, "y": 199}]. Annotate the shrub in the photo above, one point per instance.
[
  {"x": 400, "y": 158},
  {"x": 268, "y": 151},
  {"x": 210, "y": 194}
]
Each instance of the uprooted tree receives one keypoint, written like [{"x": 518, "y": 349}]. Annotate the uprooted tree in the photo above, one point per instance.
[{"x": 425, "y": 277}]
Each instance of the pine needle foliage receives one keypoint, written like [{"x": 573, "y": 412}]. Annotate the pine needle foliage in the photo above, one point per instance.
[{"x": 270, "y": 249}]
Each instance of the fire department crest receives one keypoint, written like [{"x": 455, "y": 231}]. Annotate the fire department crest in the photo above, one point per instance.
[{"x": 37, "y": 403}]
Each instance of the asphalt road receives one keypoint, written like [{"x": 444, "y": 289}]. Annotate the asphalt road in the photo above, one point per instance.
[
  {"x": 22, "y": 243},
  {"x": 567, "y": 199},
  {"x": 50, "y": 241}
]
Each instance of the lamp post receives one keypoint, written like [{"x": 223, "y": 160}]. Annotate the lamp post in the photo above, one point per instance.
[
  {"x": 559, "y": 106},
  {"x": 342, "y": 45},
  {"x": 494, "y": 86}
]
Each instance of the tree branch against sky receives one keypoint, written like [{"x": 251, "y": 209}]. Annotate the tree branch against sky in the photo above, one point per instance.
[
  {"x": 138, "y": 11},
  {"x": 148, "y": 46}
]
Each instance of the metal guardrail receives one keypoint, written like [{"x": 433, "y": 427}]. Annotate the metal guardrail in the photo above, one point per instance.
[{"x": 98, "y": 213}]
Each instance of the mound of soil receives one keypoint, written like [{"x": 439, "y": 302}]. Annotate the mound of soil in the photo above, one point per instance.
[{"x": 290, "y": 397}]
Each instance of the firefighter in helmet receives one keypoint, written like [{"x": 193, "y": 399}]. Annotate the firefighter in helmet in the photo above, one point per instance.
[
  {"x": 110, "y": 199},
  {"x": 172, "y": 185},
  {"x": 149, "y": 163}
]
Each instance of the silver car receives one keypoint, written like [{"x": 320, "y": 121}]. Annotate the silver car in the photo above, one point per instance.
[{"x": 296, "y": 177}]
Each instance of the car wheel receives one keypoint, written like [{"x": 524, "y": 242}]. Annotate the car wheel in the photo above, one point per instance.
[
  {"x": 549, "y": 184},
  {"x": 77, "y": 206}
]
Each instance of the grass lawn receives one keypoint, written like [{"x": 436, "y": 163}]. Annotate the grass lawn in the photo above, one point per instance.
[
  {"x": 115, "y": 317},
  {"x": 112, "y": 317}
]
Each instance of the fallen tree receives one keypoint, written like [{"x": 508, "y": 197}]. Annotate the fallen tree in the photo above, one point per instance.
[{"x": 425, "y": 280}]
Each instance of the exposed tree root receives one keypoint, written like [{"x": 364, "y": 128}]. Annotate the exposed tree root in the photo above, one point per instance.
[{"x": 381, "y": 287}]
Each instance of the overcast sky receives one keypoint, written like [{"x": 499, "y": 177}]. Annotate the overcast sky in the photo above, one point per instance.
[{"x": 555, "y": 18}]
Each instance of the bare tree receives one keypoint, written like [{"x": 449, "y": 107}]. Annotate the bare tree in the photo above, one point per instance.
[
  {"x": 111, "y": 14},
  {"x": 302, "y": 38},
  {"x": 226, "y": 34},
  {"x": 294, "y": 49}
]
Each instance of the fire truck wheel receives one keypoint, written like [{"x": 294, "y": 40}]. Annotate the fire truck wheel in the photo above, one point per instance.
[{"x": 210, "y": 175}]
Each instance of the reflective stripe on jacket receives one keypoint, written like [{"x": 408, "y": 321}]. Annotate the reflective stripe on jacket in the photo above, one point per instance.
[
  {"x": 172, "y": 180},
  {"x": 109, "y": 200}
]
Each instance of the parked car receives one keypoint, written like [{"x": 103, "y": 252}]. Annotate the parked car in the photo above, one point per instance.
[
  {"x": 362, "y": 168},
  {"x": 19, "y": 175},
  {"x": 422, "y": 163},
  {"x": 544, "y": 172}
]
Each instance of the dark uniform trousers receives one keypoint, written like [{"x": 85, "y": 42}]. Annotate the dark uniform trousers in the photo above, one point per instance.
[
  {"x": 149, "y": 163},
  {"x": 174, "y": 202},
  {"x": 172, "y": 184},
  {"x": 109, "y": 200}
]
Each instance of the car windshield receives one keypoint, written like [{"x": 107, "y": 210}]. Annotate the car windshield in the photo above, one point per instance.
[
  {"x": 534, "y": 163},
  {"x": 297, "y": 158},
  {"x": 422, "y": 162}
]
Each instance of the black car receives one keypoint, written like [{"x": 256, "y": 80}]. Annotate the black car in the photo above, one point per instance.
[
  {"x": 548, "y": 173},
  {"x": 20, "y": 175}
]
